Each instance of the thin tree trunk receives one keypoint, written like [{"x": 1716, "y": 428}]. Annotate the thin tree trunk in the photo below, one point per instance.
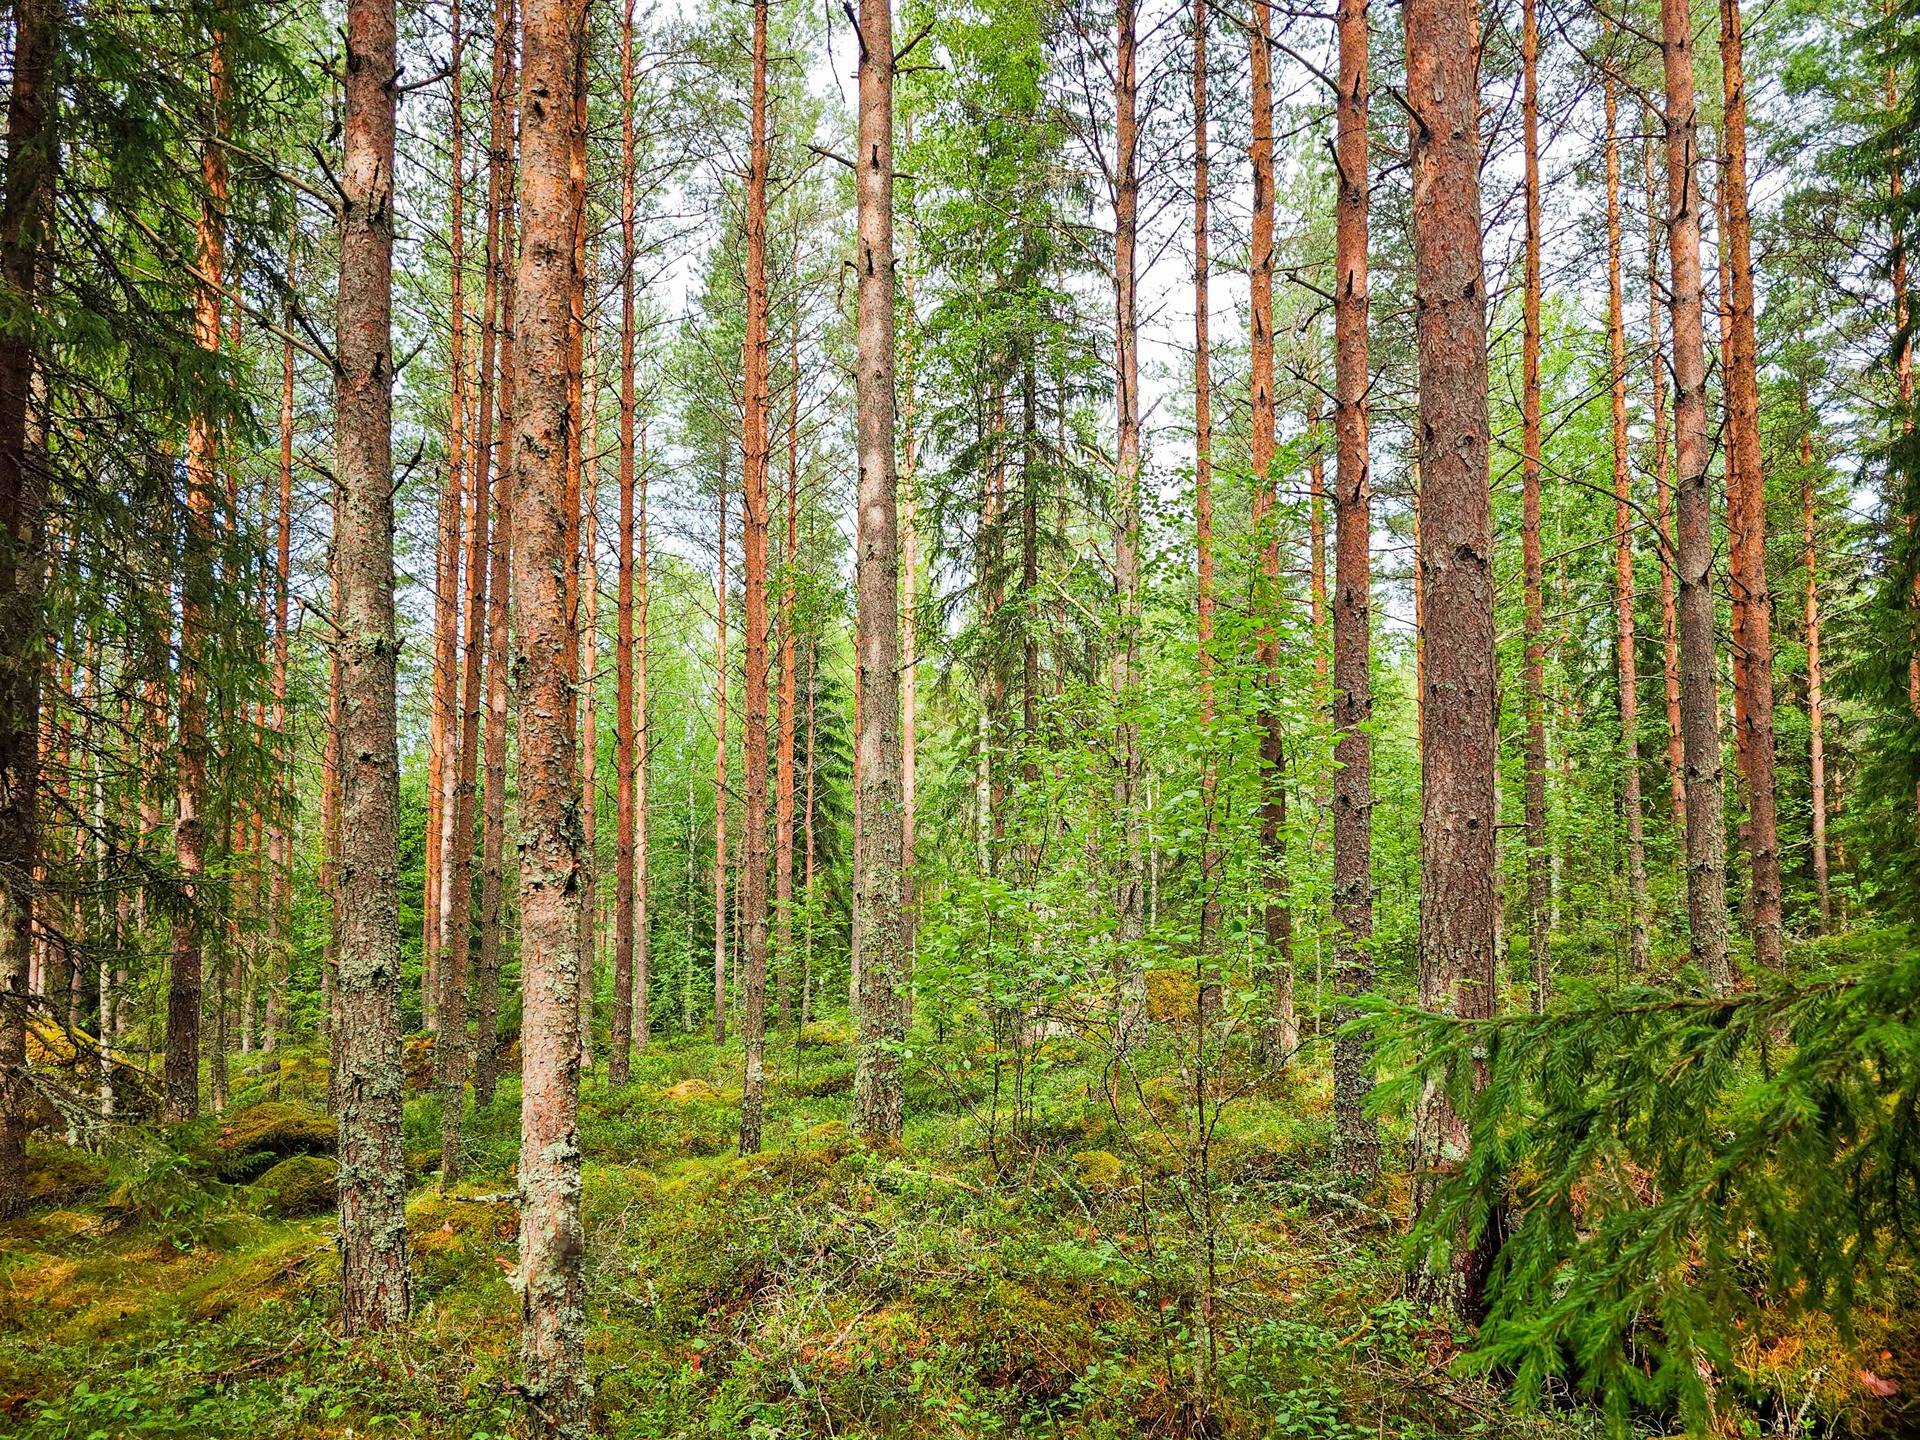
[
  {"x": 1625, "y": 640},
  {"x": 783, "y": 759},
  {"x": 589, "y": 682},
  {"x": 620, "y": 1041},
  {"x": 878, "y": 925},
  {"x": 330, "y": 787},
  {"x": 373, "y": 1167},
  {"x": 546, "y": 422},
  {"x": 1816, "y": 712},
  {"x": 450, "y": 1044},
  {"x": 1356, "y": 1133},
  {"x": 486, "y": 990},
  {"x": 1457, "y": 920},
  {"x": 1699, "y": 713},
  {"x": 1747, "y": 509},
  {"x": 1260, "y": 272},
  {"x": 1130, "y": 895},
  {"x": 720, "y": 769},
  {"x": 643, "y": 747},
  {"x": 756, "y": 460},
  {"x": 1663, "y": 498},
  {"x": 1539, "y": 878},
  {"x": 30, "y": 149},
  {"x": 279, "y": 848}
]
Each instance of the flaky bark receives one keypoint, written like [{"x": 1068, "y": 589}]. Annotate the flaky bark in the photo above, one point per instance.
[
  {"x": 1625, "y": 639},
  {"x": 878, "y": 925},
  {"x": 23, "y": 210},
  {"x": 1699, "y": 718},
  {"x": 756, "y": 460},
  {"x": 1454, "y": 557},
  {"x": 1534, "y": 760},
  {"x": 1747, "y": 508},
  {"x": 548, "y": 289},
  {"x": 373, "y": 1167},
  {"x": 1356, "y": 1135}
]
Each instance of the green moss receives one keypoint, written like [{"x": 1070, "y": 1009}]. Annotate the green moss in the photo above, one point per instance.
[
  {"x": 250, "y": 1140},
  {"x": 824, "y": 1035},
  {"x": 1100, "y": 1170},
  {"x": 59, "y": 1174},
  {"x": 299, "y": 1186}
]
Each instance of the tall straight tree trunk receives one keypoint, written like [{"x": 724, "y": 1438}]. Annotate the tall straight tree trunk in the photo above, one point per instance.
[
  {"x": 280, "y": 852},
  {"x": 1706, "y": 846},
  {"x": 756, "y": 459},
  {"x": 1130, "y": 895},
  {"x": 1747, "y": 510},
  {"x": 549, "y": 290},
  {"x": 1455, "y": 554},
  {"x": 720, "y": 769},
  {"x": 1280, "y": 1031},
  {"x": 331, "y": 766},
  {"x": 589, "y": 684},
  {"x": 1356, "y": 1134},
  {"x": 1625, "y": 640},
  {"x": 1816, "y": 709},
  {"x": 783, "y": 757},
  {"x": 451, "y": 1045},
  {"x": 196, "y": 599},
  {"x": 493, "y": 822},
  {"x": 620, "y": 1040},
  {"x": 879, "y": 937},
  {"x": 373, "y": 1165},
  {"x": 1261, "y": 272},
  {"x": 1663, "y": 496},
  {"x": 1539, "y": 876},
  {"x": 909, "y": 632},
  {"x": 643, "y": 746},
  {"x": 31, "y": 143}
]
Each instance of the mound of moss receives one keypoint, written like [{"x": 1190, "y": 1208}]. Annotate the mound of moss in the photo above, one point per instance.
[
  {"x": 251, "y": 1140},
  {"x": 297, "y": 1187}
]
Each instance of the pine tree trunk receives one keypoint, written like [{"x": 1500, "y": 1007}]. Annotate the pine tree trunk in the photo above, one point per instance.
[
  {"x": 589, "y": 683},
  {"x": 1663, "y": 498},
  {"x": 279, "y": 847},
  {"x": 493, "y": 823},
  {"x": 196, "y": 598},
  {"x": 373, "y": 1168},
  {"x": 451, "y": 1045},
  {"x": 1747, "y": 508},
  {"x": 1260, "y": 272},
  {"x": 757, "y": 456},
  {"x": 620, "y": 1039},
  {"x": 1625, "y": 640},
  {"x": 1706, "y": 846},
  {"x": 1454, "y": 557},
  {"x": 643, "y": 745},
  {"x": 878, "y": 925},
  {"x": 23, "y": 210},
  {"x": 1539, "y": 880},
  {"x": 549, "y": 291},
  {"x": 1356, "y": 1134}
]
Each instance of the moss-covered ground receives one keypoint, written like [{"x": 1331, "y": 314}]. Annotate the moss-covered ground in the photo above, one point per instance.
[{"x": 1000, "y": 1273}]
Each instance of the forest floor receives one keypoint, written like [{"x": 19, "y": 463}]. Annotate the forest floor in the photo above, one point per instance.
[{"x": 997, "y": 1274}]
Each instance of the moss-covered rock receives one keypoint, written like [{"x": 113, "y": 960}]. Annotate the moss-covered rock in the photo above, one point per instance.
[
  {"x": 1101, "y": 1171},
  {"x": 824, "y": 1035},
  {"x": 59, "y": 1174},
  {"x": 297, "y": 1187},
  {"x": 691, "y": 1091},
  {"x": 831, "y": 1079},
  {"x": 251, "y": 1140}
]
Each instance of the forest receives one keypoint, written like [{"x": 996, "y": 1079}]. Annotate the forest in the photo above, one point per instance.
[{"x": 1067, "y": 718}]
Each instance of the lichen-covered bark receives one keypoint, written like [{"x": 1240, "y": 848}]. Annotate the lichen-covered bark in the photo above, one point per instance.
[
  {"x": 1356, "y": 1136},
  {"x": 548, "y": 290},
  {"x": 29, "y": 178},
  {"x": 878, "y": 936},
  {"x": 1455, "y": 559},
  {"x": 1706, "y": 839},
  {"x": 373, "y": 1172}
]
